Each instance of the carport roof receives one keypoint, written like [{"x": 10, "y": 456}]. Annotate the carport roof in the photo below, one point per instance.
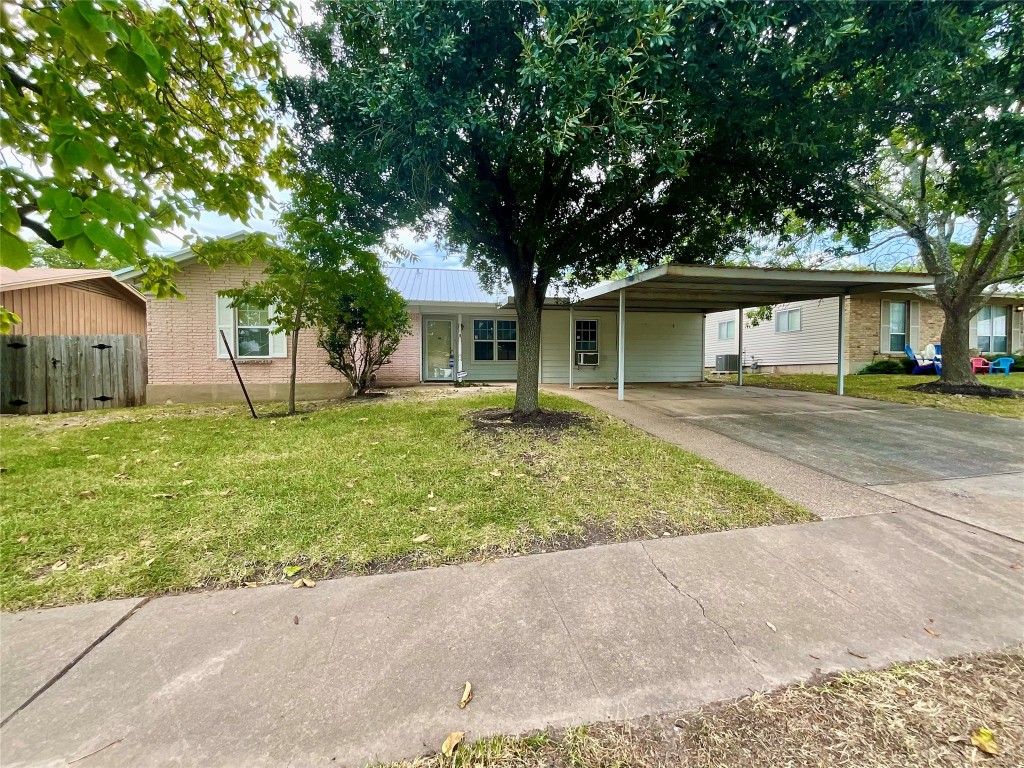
[{"x": 687, "y": 288}]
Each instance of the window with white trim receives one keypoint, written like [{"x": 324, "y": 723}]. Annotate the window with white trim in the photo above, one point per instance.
[
  {"x": 249, "y": 330},
  {"x": 586, "y": 335},
  {"x": 992, "y": 325},
  {"x": 899, "y": 322},
  {"x": 727, "y": 330},
  {"x": 787, "y": 320},
  {"x": 495, "y": 340}
]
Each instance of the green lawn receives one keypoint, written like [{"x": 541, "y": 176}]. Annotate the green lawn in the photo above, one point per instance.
[
  {"x": 882, "y": 387},
  {"x": 151, "y": 500}
]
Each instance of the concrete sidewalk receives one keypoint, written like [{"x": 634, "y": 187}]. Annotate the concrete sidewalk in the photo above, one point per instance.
[{"x": 370, "y": 668}]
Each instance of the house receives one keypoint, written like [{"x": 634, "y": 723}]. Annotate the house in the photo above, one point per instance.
[
  {"x": 646, "y": 328},
  {"x": 801, "y": 336},
  {"x": 71, "y": 302}
]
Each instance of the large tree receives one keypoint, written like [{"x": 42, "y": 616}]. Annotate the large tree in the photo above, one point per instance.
[
  {"x": 554, "y": 141},
  {"x": 122, "y": 117}
]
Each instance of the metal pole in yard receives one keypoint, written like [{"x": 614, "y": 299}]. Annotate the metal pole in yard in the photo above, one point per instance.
[
  {"x": 622, "y": 344},
  {"x": 841, "y": 365},
  {"x": 739, "y": 341},
  {"x": 572, "y": 344},
  {"x": 239, "y": 375}
]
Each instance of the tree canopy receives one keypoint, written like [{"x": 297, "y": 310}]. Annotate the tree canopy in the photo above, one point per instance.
[
  {"x": 558, "y": 140},
  {"x": 121, "y": 117}
]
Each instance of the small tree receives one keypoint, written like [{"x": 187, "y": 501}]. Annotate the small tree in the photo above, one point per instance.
[
  {"x": 365, "y": 327},
  {"x": 304, "y": 278}
]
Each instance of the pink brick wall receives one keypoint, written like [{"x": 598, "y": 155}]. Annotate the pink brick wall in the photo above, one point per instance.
[
  {"x": 404, "y": 368},
  {"x": 182, "y": 341}
]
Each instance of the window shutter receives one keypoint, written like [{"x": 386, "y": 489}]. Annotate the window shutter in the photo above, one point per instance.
[
  {"x": 973, "y": 342},
  {"x": 226, "y": 323},
  {"x": 278, "y": 341},
  {"x": 1016, "y": 331},
  {"x": 914, "y": 334},
  {"x": 883, "y": 329}
]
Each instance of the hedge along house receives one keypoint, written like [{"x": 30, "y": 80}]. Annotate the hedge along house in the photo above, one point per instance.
[{"x": 800, "y": 336}]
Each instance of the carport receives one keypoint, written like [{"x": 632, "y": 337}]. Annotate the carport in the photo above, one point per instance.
[{"x": 700, "y": 289}]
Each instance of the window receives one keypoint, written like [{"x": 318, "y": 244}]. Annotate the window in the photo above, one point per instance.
[
  {"x": 899, "y": 316},
  {"x": 727, "y": 330},
  {"x": 494, "y": 340},
  {"x": 787, "y": 320},
  {"x": 586, "y": 335},
  {"x": 992, "y": 323},
  {"x": 253, "y": 331},
  {"x": 248, "y": 330}
]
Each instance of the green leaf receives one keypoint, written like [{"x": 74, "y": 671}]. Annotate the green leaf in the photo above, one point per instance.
[
  {"x": 130, "y": 65},
  {"x": 62, "y": 228},
  {"x": 14, "y": 252},
  {"x": 105, "y": 238},
  {"x": 145, "y": 49},
  {"x": 10, "y": 220},
  {"x": 59, "y": 200},
  {"x": 74, "y": 153},
  {"x": 81, "y": 248}
]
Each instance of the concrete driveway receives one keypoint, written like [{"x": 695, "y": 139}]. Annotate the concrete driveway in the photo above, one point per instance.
[{"x": 965, "y": 466}]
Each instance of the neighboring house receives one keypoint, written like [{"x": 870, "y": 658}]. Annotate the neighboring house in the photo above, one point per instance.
[
  {"x": 71, "y": 302},
  {"x": 802, "y": 336},
  {"x": 457, "y": 327}
]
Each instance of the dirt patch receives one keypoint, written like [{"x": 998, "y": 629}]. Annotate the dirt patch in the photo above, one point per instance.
[
  {"x": 968, "y": 390},
  {"x": 907, "y": 716},
  {"x": 545, "y": 422}
]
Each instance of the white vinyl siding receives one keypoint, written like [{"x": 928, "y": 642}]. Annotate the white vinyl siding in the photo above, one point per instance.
[
  {"x": 249, "y": 332},
  {"x": 815, "y": 344},
  {"x": 659, "y": 347}
]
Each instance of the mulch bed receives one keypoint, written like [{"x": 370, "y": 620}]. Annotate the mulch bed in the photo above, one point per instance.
[
  {"x": 970, "y": 390},
  {"x": 548, "y": 423}
]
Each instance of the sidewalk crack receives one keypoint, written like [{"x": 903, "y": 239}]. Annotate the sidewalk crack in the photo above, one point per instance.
[
  {"x": 71, "y": 664},
  {"x": 572, "y": 639},
  {"x": 703, "y": 611}
]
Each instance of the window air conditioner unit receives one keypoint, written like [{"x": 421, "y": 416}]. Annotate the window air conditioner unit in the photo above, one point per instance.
[{"x": 587, "y": 358}]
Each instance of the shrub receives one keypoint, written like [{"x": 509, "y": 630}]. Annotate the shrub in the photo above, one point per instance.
[{"x": 884, "y": 367}]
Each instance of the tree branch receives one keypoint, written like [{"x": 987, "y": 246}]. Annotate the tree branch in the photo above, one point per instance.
[{"x": 41, "y": 230}]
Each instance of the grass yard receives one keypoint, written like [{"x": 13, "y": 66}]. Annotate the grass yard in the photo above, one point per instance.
[
  {"x": 919, "y": 715},
  {"x": 151, "y": 500},
  {"x": 891, "y": 387}
]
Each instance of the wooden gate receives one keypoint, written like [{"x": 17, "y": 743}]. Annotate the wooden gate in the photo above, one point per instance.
[{"x": 52, "y": 374}]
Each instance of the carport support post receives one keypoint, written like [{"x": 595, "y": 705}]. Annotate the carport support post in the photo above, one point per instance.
[
  {"x": 739, "y": 342},
  {"x": 572, "y": 344},
  {"x": 841, "y": 365},
  {"x": 622, "y": 344}
]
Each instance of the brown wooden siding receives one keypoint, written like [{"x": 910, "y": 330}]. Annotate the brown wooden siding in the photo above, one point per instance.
[{"x": 71, "y": 310}]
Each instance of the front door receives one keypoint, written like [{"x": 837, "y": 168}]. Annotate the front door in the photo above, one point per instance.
[{"x": 438, "y": 349}]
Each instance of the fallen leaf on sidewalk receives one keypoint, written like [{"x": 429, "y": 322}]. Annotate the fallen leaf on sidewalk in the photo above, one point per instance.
[
  {"x": 467, "y": 696},
  {"x": 454, "y": 739},
  {"x": 931, "y": 632},
  {"x": 855, "y": 654},
  {"x": 296, "y": 619},
  {"x": 1016, "y": 566},
  {"x": 985, "y": 740},
  {"x": 771, "y": 626}
]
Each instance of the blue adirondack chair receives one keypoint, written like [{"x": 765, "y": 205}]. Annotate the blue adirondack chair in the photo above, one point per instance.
[
  {"x": 1001, "y": 364},
  {"x": 920, "y": 364}
]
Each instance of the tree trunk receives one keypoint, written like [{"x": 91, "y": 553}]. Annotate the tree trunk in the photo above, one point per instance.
[
  {"x": 291, "y": 378},
  {"x": 956, "y": 346},
  {"x": 528, "y": 310}
]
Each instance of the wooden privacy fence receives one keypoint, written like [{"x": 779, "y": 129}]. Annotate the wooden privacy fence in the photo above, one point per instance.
[{"x": 52, "y": 374}]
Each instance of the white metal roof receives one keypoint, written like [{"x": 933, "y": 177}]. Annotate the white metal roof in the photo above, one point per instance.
[
  {"x": 443, "y": 286},
  {"x": 688, "y": 288}
]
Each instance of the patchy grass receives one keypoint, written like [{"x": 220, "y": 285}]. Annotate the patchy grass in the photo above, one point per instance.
[
  {"x": 153, "y": 500},
  {"x": 892, "y": 388},
  {"x": 908, "y": 716}
]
